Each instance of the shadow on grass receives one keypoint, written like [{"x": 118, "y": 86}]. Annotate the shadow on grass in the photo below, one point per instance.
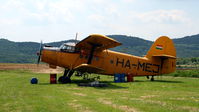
[
  {"x": 108, "y": 84},
  {"x": 111, "y": 84}
]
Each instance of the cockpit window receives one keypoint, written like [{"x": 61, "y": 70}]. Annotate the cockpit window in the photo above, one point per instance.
[{"x": 68, "y": 48}]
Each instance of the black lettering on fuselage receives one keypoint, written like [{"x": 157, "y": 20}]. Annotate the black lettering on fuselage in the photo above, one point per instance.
[
  {"x": 158, "y": 68},
  {"x": 147, "y": 67},
  {"x": 120, "y": 62},
  {"x": 134, "y": 65},
  {"x": 128, "y": 64},
  {"x": 141, "y": 66}
]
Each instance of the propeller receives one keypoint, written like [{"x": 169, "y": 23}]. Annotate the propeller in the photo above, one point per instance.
[{"x": 39, "y": 53}]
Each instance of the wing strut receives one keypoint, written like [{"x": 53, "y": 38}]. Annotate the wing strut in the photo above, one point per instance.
[{"x": 94, "y": 46}]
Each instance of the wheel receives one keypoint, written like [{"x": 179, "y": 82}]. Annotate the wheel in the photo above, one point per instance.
[
  {"x": 64, "y": 80},
  {"x": 152, "y": 78},
  {"x": 60, "y": 80}
]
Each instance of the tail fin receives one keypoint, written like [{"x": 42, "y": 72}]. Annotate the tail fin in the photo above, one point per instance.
[
  {"x": 164, "y": 50},
  {"x": 164, "y": 47}
]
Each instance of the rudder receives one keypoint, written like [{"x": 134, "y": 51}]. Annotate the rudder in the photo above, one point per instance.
[
  {"x": 163, "y": 46},
  {"x": 163, "y": 50}
]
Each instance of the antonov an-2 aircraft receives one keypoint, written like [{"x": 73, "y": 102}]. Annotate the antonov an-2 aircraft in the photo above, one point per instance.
[{"x": 91, "y": 55}]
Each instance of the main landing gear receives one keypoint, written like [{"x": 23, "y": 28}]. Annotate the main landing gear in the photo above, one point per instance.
[
  {"x": 66, "y": 77},
  {"x": 152, "y": 77}
]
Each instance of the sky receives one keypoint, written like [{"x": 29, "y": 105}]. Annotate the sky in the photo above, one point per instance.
[{"x": 56, "y": 20}]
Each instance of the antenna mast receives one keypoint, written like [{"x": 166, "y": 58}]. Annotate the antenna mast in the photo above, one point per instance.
[{"x": 76, "y": 38}]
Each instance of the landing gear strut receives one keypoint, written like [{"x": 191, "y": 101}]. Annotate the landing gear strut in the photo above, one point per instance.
[
  {"x": 66, "y": 77},
  {"x": 152, "y": 78}
]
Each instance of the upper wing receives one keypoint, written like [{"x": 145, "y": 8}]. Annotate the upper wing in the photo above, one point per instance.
[{"x": 101, "y": 42}]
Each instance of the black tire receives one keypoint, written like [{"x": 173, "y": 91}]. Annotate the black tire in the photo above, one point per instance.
[
  {"x": 152, "y": 78},
  {"x": 67, "y": 80},
  {"x": 60, "y": 80},
  {"x": 64, "y": 80}
]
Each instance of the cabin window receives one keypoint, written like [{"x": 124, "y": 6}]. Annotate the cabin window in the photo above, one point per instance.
[{"x": 68, "y": 48}]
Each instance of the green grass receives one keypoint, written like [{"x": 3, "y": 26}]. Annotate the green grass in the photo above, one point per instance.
[
  {"x": 186, "y": 73},
  {"x": 175, "y": 94}
]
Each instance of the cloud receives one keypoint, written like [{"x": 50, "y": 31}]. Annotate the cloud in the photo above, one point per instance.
[
  {"x": 54, "y": 12},
  {"x": 129, "y": 1},
  {"x": 58, "y": 18},
  {"x": 10, "y": 21},
  {"x": 96, "y": 18},
  {"x": 12, "y": 4},
  {"x": 163, "y": 16}
]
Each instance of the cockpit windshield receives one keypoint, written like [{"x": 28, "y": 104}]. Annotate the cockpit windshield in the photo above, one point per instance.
[{"x": 68, "y": 47}]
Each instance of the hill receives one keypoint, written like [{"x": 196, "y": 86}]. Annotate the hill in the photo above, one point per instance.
[
  {"x": 132, "y": 45},
  {"x": 187, "y": 46},
  {"x": 25, "y": 52},
  {"x": 17, "y": 52},
  {"x": 21, "y": 52}
]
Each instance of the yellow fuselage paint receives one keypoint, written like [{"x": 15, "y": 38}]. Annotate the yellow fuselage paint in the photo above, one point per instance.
[{"x": 112, "y": 62}]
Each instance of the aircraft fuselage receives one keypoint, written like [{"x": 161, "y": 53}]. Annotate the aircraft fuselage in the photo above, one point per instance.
[{"x": 112, "y": 62}]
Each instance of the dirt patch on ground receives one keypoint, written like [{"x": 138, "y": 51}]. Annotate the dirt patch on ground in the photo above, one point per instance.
[
  {"x": 119, "y": 91},
  {"x": 41, "y": 68},
  {"x": 156, "y": 102},
  {"x": 190, "y": 109},
  {"x": 182, "y": 98},
  {"x": 121, "y": 107},
  {"x": 76, "y": 88},
  {"x": 79, "y": 107},
  {"x": 80, "y": 94},
  {"x": 148, "y": 96}
]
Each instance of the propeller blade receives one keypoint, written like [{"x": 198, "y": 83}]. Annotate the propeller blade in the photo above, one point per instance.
[
  {"x": 40, "y": 51},
  {"x": 38, "y": 60}
]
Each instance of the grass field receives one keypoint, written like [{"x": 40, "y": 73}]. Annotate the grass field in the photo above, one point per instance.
[
  {"x": 174, "y": 94},
  {"x": 186, "y": 73}
]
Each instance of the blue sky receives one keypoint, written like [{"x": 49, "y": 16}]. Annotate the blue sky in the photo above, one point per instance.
[{"x": 55, "y": 20}]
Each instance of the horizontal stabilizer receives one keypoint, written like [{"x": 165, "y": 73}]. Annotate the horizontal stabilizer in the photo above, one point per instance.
[
  {"x": 88, "y": 68},
  {"x": 164, "y": 56}
]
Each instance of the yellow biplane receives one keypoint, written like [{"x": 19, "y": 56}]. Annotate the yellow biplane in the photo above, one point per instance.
[{"x": 91, "y": 55}]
